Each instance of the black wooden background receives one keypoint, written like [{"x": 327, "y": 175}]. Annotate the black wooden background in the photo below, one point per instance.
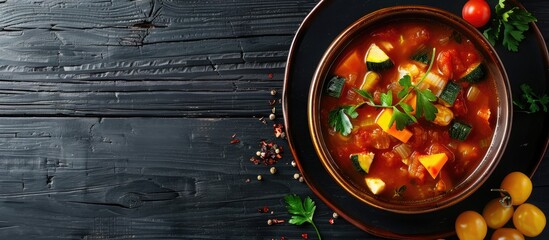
[{"x": 117, "y": 116}]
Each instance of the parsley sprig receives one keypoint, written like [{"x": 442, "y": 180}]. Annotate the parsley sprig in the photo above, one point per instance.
[
  {"x": 534, "y": 102},
  {"x": 302, "y": 211},
  {"x": 510, "y": 22},
  {"x": 340, "y": 117}
]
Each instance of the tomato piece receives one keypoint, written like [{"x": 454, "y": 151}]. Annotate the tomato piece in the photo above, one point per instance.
[
  {"x": 471, "y": 225},
  {"x": 507, "y": 234},
  {"x": 529, "y": 220},
  {"x": 518, "y": 185},
  {"x": 476, "y": 12},
  {"x": 496, "y": 215},
  {"x": 444, "y": 63},
  {"x": 450, "y": 64}
]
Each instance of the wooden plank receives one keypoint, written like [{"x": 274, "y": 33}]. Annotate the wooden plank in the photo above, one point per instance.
[
  {"x": 97, "y": 178},
  {"x": 143, "y": 58}
]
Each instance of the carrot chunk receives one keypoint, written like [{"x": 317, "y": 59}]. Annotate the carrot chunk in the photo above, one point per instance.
[
  {"x": 350, "y": 64},
  {"x": 383, "y": 120}
]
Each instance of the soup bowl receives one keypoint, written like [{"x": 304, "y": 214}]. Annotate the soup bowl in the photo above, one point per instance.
[{"x": 371, "y": 109}]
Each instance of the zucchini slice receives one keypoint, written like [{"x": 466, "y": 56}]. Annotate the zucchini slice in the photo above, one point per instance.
[
  {"x": 475, "y": 73},
  {"x": 459, "y": 130},
  {"x": 377, "y": 60},
  {"x": 450, "y": 93},
  {"x": 335, "y": 86},
  {"x": 362, "y": 161},
  {"x": 422, "y": 56}
]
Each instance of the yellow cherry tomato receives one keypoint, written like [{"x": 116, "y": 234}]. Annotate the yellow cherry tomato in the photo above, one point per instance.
[
  {"x": 507, "y": 234},
  {"x": 496, "y": 215},
  {"x": 518, "y": 185},
  {"x": 470, "y": 225},
  {"x": 529, "y": 220}
]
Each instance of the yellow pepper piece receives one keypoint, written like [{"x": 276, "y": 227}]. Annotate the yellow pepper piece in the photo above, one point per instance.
[{"x": 433, "y": 163}]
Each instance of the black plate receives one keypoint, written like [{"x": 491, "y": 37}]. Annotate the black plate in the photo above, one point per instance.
[{"x": 526, "y": 147}]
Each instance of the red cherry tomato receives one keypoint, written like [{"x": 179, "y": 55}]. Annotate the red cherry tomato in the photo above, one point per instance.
[{"x": 476, "y": 12}]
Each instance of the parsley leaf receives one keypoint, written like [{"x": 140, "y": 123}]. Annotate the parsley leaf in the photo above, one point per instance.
[
  {"x": 302, "y": 211},
  {"x": 386, "y": 99},
  {"x": 339, "y": 119},
  {"x": 535, "y": 103},
  {"x": 401, "y": 119},
  {"x": 425, "y": 107},
  {"x": 511, "y": 22},
  {"x": 365, "y": 94}
]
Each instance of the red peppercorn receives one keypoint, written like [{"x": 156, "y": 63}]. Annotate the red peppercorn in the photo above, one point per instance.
[{"x": 304, "y": 236}]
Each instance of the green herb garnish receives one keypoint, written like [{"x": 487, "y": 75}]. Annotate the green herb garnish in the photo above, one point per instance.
[
  {"x": 511, "y": 22},
  {"x": 534, "y": 102},
  {"x": 340, "y": 117},
  {"x": 399, "y": 191},
  {"x": 302, "y": 211}
]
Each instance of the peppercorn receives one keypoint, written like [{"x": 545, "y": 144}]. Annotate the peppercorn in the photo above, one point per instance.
[
  {"x": 335, "y": 215},
  {"x": 294, "y": 164},
  {"x": 272, "y": 170},
  {"x": 272, "y": 116},
  {"x": 301, "y": 179},
  {"x": 259, "y": 177},
  {"x": 296, "y": 176},
  {"x": 270, "y": 222},
  {"x": 273, "y": 92}
]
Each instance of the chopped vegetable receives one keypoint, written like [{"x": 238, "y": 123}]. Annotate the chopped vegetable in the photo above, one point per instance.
[
  {"x": 475, "y": 73},
  {"x": 377, "y": 59},
  {"x": 484, "y": 113},
  {"x": 384, "y": 119},
  {"x": 375, "y": 185},
  {"x": 362, "y": 161},
  {"x": 436, "y": 83},
  {"x": 511, "y": 22},
  {"x": 444, "y": 115},
  {"x": 473, "y": 93},
  {"x": 370, "y": 80},
  {"x": 335, "y": 86},
  {"x": 350, "y": 64},
  {"x": 450, "y": 93},
  {"x": 403, "y": 150},
  {"x": 422, "y": 56},
  {"x": 459, "y": 130},
  {"x": 433, "y": 163}
]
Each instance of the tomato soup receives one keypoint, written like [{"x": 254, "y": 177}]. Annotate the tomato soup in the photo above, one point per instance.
[{"x": 408, "y": 110}]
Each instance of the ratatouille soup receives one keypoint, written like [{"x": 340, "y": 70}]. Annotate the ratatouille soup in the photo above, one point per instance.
[{"x": 408, "y": 110}]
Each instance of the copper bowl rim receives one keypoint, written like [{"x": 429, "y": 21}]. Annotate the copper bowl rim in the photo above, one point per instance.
[{"x": 501, "y": 131}]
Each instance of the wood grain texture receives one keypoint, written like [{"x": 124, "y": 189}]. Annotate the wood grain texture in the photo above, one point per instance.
[
  {"x": 116, "y": 119},
  {"x": 143, "y": 58},
  {"x": 144, "y": 178}
]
